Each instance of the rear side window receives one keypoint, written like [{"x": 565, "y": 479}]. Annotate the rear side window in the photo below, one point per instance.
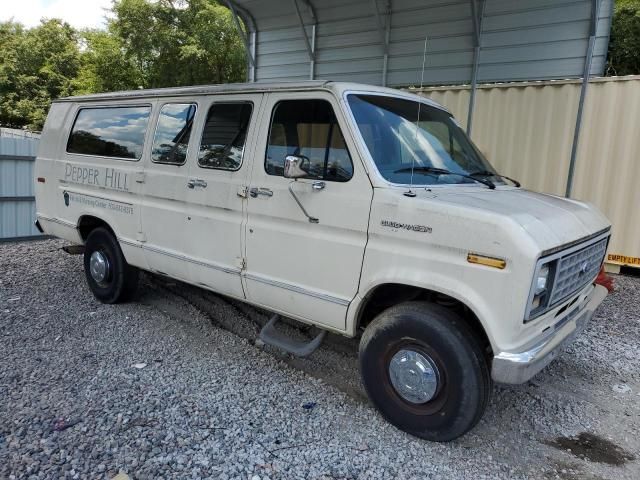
[
  {"x": 173, "y": 131},
  {"x": 308, "y": 128},
  {"x": 224, "y": 136},
  {"x": 109, "y": 132}
]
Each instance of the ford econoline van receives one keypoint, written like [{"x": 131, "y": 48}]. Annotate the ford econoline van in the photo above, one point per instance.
[{"x": 358, "y": 209}]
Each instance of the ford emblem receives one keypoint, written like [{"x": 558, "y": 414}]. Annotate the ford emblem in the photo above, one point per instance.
[{"x": 583, "y": 268}]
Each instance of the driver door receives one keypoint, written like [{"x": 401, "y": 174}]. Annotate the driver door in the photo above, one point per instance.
[{"x": 306, "y": 270}]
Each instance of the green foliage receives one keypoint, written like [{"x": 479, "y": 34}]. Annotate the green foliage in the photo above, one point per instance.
[
  {"x": 147, "y": 43},
  {"x": 106, "y": 66},
  {"x": 624, "y": 45},
  {"x": 180, "y": 42},
  {"x": 35, "y": 66}
]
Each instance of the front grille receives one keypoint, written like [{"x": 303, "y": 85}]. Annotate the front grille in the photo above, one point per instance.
[{"x": 576, "y": 270}]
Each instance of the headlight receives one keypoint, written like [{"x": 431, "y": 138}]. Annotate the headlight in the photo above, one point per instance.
[
  {"x": 541, "y": 290},
  {"x": 542, "y": 279}
]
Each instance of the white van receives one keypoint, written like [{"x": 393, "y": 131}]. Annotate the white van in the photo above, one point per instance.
[{"x": 353, "y": 208}]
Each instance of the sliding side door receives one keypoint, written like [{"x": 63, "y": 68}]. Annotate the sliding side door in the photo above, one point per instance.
[{"x": 216, "y": 193}]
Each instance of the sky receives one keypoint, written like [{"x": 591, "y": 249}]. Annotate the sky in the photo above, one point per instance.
[{"x": 78, "y": 13}]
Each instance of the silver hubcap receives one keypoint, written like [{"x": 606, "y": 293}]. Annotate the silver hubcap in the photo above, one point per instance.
[
  {"x": 99, "y": 266},
  {"x": 414, "y": 376}
]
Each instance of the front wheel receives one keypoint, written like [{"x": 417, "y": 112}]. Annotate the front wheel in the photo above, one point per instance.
[
  {"x": 424, "y": 371},
  {"x": 110, "y": 277}
]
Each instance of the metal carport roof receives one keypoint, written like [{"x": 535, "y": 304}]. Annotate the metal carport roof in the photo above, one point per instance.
[{"x": 381, "y": 41}]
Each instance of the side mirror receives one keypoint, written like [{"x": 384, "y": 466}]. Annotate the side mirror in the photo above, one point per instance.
[{"x": 294, "y": 166}]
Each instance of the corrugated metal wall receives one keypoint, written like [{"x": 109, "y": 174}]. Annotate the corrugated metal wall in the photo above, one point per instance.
[
  {"x": 17, "y": 203},
  {"x": 526, "y": 131},
  {"x": 521, "y": 40}
]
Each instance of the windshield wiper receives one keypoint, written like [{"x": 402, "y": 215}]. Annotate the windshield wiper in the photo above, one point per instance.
[
  {"x": 442, "y": 171},
  {"x": 487, "y": 173}
]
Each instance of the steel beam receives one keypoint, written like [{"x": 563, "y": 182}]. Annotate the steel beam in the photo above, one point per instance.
[
  {"x": 245, "y": 39},
  {"x": 312, "y": 10},
  {"x": 477, "y": 14},
  {"x": 384, "y": 31},
  {"x": 254, "y": 46},
  {"x": 595, "y": 14},
  {"x": 246, "y": 16},
  {"x": 310, "y": 48},
  {"x": 312, "y": 64},
  {"x": 387, "y": 39},
  {"x": 476, "y": 21},
  {"x": 381, "y": 26}
]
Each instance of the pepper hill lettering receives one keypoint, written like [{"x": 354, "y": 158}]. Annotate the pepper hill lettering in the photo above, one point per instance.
[{"x": 108, "y": 178}]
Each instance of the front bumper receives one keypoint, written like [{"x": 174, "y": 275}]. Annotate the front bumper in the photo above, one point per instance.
[{"x": 518, "y": 367}]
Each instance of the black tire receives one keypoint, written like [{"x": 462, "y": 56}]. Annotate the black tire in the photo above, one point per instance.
[
  {"x": 121, "y": 281},
  {"x": 464, "y": 386}
]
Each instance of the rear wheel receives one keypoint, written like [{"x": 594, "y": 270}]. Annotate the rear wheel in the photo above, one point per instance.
[
  {"x": 424, "y": 371},
  {"x": 110, "y": 277}
]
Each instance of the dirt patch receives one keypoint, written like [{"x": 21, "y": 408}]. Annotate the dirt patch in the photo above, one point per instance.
[{"x": 594, "y": 448}]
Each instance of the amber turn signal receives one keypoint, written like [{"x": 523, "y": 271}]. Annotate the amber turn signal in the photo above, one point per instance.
[{"x": 487, "y": 261}]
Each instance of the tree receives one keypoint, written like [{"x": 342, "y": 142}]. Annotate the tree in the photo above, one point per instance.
[
  {"x": 179, "y": 42},
  {"x": 36, "y": 66},
  {"x": 213, "y": 49},
  {"x": 147, "y": 43},
  {"x": 624, "y": 44},
  {"x": 105, "y": 65}
]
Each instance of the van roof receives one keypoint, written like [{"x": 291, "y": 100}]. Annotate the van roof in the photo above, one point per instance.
[{"x": 255, "y": 87}]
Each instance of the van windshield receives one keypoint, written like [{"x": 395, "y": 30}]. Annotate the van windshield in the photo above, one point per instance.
[{"x": 398, "y": 144}]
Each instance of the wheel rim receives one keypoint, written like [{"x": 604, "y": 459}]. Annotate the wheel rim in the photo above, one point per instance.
[
  {"x": 414, "y": 376},
  {"x": 99, "y": 267}
]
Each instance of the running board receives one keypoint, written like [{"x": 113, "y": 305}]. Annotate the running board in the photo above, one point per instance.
[
  {"x": 73, "y": 249},
  {"x": 271, "y": 336}
]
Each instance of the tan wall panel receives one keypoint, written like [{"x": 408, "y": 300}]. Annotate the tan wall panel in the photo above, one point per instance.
[
  {"x": 457, "y": 101},
  {"x": 526, "y": 131},
  {"x": 608, "y": 163}
]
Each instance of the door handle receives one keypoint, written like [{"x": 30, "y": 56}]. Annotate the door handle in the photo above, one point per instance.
[
  {"x": 196, "y": 182},
  {"x": 254, "y": 192},
  {"x": 317, "y": 186}
]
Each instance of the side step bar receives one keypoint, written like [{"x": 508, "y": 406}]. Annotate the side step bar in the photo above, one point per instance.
[
  {"x": 73, "y": 249},
  {"x": 271, "y": 336}
]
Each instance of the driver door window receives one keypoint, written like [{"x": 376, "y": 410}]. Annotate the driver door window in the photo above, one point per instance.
[{"x": 308, "y": 128}]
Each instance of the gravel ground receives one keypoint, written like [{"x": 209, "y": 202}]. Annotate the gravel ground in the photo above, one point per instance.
[{"x": 208, "y": 401}]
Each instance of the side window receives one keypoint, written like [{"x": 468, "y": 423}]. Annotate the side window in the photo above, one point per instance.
[
  {"x": 116, "y": 132},
  {"x": 171, "y": 139},
  {"x": 224, "y": 135},
  {"x": 308, "y": 128}
]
